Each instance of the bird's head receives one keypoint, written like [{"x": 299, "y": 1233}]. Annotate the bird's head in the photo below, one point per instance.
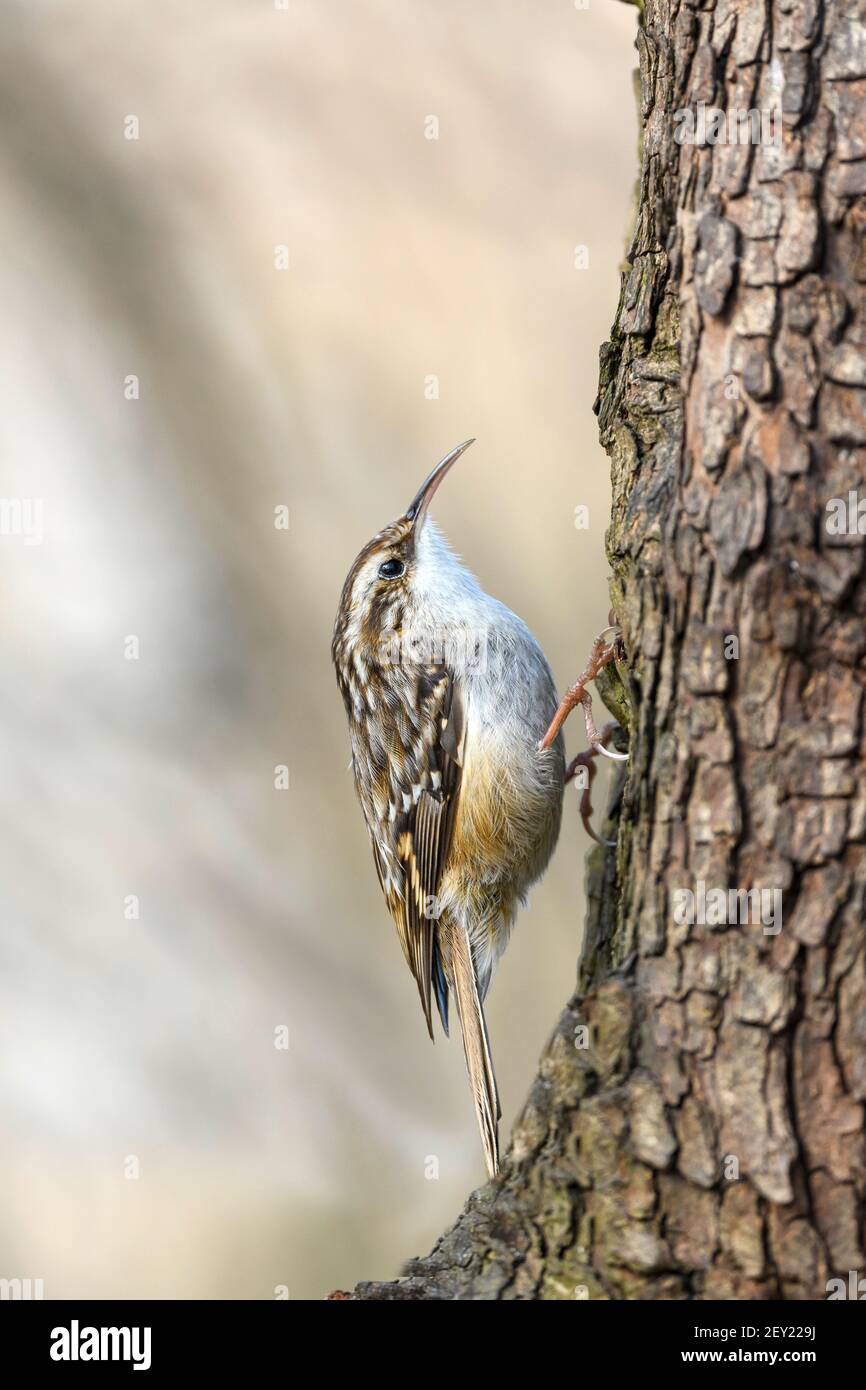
[{"x": 390, "y": 577}]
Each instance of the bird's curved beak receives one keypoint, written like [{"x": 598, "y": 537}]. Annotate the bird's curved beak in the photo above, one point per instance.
[{"x": 417, "y": 508}]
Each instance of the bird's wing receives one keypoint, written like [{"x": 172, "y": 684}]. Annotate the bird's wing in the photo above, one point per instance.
[{"x": 425, "y": 780}]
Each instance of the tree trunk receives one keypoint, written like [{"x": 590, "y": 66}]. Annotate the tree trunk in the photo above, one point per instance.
[{"x": 696, "y": 1129}]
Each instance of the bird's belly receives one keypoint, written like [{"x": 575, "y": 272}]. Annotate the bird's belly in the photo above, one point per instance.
[{"x": 508, "y": 814}]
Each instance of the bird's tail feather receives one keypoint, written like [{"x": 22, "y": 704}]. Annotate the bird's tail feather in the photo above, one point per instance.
[{"x": 476, "y": 1046}]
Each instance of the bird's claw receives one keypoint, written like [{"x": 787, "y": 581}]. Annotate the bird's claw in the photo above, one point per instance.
[
  {"x": 587, "y": 760},
  {"x": 609, "y": 753},
  {"x": 603, "y": 652}
]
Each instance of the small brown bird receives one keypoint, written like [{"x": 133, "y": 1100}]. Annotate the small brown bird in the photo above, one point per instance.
[{"x": 448, "y": 695}]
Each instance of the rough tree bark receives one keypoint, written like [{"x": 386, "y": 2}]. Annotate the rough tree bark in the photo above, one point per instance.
[{"x": 709, "y": 1141}]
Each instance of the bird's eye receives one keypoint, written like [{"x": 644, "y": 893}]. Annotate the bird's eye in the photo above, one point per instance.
[{"x": 391, "y": 569}]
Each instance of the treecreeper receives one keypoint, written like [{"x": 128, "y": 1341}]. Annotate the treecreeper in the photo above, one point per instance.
[{"x": 449, "y": 698}]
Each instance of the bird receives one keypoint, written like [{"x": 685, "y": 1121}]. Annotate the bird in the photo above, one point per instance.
[{"x": 448, "y": 696}]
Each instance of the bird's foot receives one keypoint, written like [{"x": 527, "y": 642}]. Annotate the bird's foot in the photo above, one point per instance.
[
  {"x": 604, "y": 650},
  {"x": 587, "y": 760},
  {"x": 607, "y": 647}
]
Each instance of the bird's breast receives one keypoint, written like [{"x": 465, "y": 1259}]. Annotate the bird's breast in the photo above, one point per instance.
[{"x": 511, "y": 795}]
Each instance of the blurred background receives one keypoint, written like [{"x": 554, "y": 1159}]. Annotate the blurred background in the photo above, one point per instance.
[{"x": 427, "y": 170}]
